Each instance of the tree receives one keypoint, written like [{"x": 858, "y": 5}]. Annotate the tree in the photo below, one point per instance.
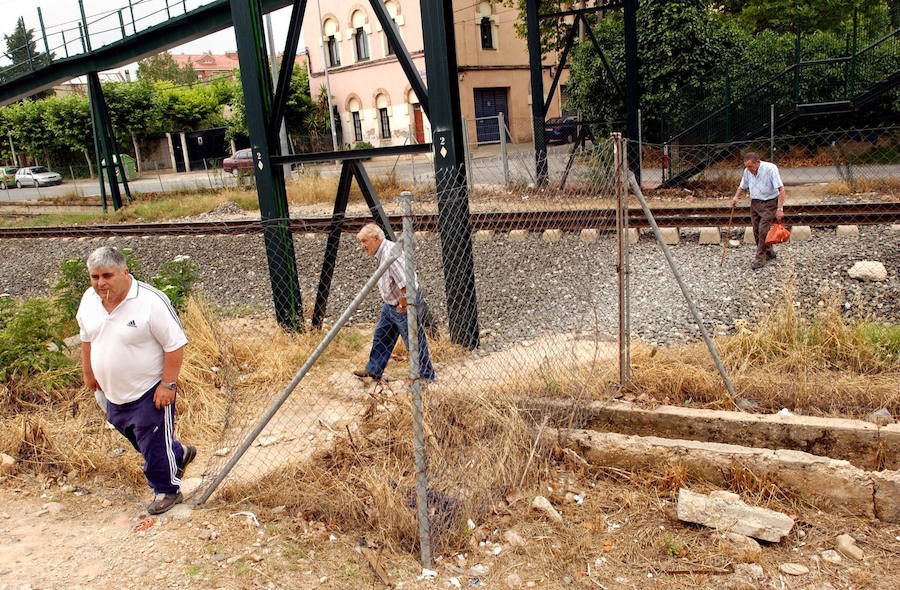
[
  {"x": 162, "y": 67},
  {"x": 803, "y": 16},
  {"x": 21, "y": 48},
  {"x": 68, "y": 119},
  {"x": 133, "y": 108}
]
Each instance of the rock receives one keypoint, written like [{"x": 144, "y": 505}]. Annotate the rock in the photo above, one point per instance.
[
  {"x": 729, "y": 497},
  {"x": 209, "y": 535},
  {"x": 218, "y": 557},
  {"x": 747, "y": 405},
  {"x": 751, "y": 571},
  {"x": 832, "y": 556},
  {"x": 67, "y": 489},
  {"x": 868, "y": 270},
  {"x": 53, "y": 508},
  {"x": 733, "y": 516},
  {"x": 7, "y": 464},
  {"x": 222, "y": 452},
  {"x": 848, "y": 547},
  {"x": 543, "y": 504},
  {"x": 513, "y": 538},
  {"x": 741, "y": 543},
  {"x": 794, "y": 569},
  {"x": 734, "y": 243},
  {"x": 180, "y": 512},
  {"x": 880, "y": 417},
  {"x": 190, "y": 485},
  {"x": 513, "y": 580}
]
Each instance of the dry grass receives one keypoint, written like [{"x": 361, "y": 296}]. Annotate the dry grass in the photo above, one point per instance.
[
  {"x": 312, "y": 189},
  {"x": 888, "y": 186}
]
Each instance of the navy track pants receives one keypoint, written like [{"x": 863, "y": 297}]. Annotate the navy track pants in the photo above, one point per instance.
[{"x": 152, "y": 433}]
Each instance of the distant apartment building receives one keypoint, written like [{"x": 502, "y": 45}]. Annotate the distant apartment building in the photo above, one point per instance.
[
  {"x": 209, "y": 65},
  {"x": 372, "y": 96}
]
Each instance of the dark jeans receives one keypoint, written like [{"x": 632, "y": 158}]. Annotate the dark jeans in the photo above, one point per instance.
[
  {"x": 392, "y": 324},
  {"x": 762, "y": 215}
]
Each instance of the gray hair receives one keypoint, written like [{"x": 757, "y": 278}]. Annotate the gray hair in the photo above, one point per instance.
[
  {"x": 105, "y": 257},
  {"x": 751, "y": 157},
  {"x": 371, "y": 230}
]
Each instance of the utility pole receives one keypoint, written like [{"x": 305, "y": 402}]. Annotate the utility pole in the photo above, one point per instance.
[{"x": 272, "y": 57}]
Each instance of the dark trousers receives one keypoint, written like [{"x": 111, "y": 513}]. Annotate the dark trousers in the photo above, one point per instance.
[
  {"x": 392, "y": 324},
  {"x": 762, "y": 215},
  {"x": 152, "y": 433}
]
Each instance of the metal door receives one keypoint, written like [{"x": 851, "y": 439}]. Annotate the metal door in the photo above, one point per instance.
[{"x": 489, "y": 102}]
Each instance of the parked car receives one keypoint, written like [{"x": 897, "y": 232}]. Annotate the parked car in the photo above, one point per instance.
[
  {"x": 561, "y": 129},
  {"x": 7, "y": 177},
  {"x": 36, "y": 176},
  {"x": 241, "y": 160}
]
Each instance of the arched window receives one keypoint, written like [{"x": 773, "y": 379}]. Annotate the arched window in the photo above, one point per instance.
[
  {"x": 354, "y": 106},
  {"x": 485, "y": 25},
  {"x": 332, "y": 44},
  {"x": 393, "y": 10},
  {"x": 384, "y": 115},
  {"x": 360, "y": 37}
]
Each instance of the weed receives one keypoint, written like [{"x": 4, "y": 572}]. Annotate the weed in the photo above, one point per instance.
[
  {"x": 175, "y": 279},
  {"x": 193, "y": 570},
  {"x": 673, "y": 546}
]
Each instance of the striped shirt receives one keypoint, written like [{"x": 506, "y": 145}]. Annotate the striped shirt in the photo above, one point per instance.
[
  {"x": 763, "y": 185},
  {"x": 391, "y": 282}
]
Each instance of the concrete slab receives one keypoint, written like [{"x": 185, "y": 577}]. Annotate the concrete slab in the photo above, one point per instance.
[
  {"x": 710, "y": 235},
  {"x": 800, "y": 233},
  {"x": 518, "y": 235},
  {"x": 862, "y": 443},
  {"x": 589, "y": 236},
  {"x": 670, "y": 235},
  {"x": 748, "y": 236},
  {"x": 847, "y": 231},
  {"x": 634, "y": 234},
  {"x": 484, "y": 235},
  {"x": 551, "y": 235}
]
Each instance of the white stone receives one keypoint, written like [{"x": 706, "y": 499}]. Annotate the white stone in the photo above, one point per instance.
[
  {"x": 848, "y": 547},
  {"x": 832, "y": 556},
  {"x": 729, "y": 497},
  {"x": 518, "y": 235},
  {"x": 794, "y": 569},
  {"x": 748, "y": 236},
  {"x": 190, "y": 485},
  {"x": 734, "y": 243},
  {"x": 880, "y": 417},
  {"x": 895, "y": 227},
  {"x": 670, "y": 235},
  {"x": 589, "y": 236},
  {"x": 543, "y": 504},
  {"x": 751, "y": 571},
  {"x": 868, "y": 270},
  {"x": 742, "y": 543},
  {"x": 180, "y": 512},
  {"x": 551, "y": 235},
  {"x": 847, "y": 231},
  {"x": 484, "y": 235},
  {"x": 800, "y": 233},
  {"x": 513, "y": 538},
  {"x": 7, "y": 464},
  {"x": 513, "y": 581},
  {"x": 710, "y": 235},
  {"x": 634, "y": 234},
  {"x": 733, "y": 516}
]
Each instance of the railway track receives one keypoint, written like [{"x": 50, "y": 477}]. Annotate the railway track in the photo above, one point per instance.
[{"x": 570, "y": 220}]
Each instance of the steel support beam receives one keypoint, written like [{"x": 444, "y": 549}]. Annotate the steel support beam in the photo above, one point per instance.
[
  {"x": 105, "y": 142},
  {"x": 332, "y": 244},
  {"x": 632, "y": 88},
  {"x": 538, "y": 114},
  {"x": 402, "y": 54},
  {"x": 283, "y": 88},
  {"x": 450, "y": 172},
  {"x": 256, "y": 80}
]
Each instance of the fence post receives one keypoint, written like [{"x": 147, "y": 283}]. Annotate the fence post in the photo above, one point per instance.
[
  {"x": 468, "y": 152},
  {"x": 412, "y": 298},
  {"x": 504, "y": 155},
  {"x": 44, "y": 33},
  {"x": 75, "y": 182},
  {"x": 83, "y": 25},
  {"x": 133, "y": 23},
  {"x": 622, "y": 269},
  {"x": 121, "y": 23}
]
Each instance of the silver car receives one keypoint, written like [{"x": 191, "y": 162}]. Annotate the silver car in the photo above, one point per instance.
[{"x": 37, "y": 176}]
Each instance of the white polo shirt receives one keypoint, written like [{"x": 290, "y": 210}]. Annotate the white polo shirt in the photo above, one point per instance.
[
  {"x": 763, "y": 185},
  {"x": 127, "y": 345}
]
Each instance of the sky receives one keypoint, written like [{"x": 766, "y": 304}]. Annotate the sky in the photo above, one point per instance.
[{"x": 61, "y": 19}]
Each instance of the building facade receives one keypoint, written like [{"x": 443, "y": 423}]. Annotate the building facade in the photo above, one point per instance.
[{"x": 370, "y": 93}]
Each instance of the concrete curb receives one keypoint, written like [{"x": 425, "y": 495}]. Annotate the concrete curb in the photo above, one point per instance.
[
  {"x": 863, "y": 444},
  {"x": 827, "y": 482}
]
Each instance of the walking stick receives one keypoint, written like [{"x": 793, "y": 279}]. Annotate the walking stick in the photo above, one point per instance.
[{"x": 727, "y": 235}]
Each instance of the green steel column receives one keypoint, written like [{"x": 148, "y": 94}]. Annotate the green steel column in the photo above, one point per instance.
[
  {"x": 538, "y": 116},
  {"x": 44, "y": 33},
  {"x": 450, "y": 171},
  {"x": 85, "y": 35},
  {"x": 632, "y": 87},
  {"x": 257, "y": 84},
  {"x": 104, "y": 138}
]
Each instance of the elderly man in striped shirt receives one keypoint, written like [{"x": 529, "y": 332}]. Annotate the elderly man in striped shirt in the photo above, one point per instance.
[{"x": 392, "y": 321}]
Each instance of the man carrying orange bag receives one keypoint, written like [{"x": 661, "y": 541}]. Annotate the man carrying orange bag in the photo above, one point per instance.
[{"x": 763, "y": 182}]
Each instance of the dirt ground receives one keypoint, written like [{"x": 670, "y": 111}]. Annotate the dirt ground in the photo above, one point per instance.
[{"x": 624, "y": 534}]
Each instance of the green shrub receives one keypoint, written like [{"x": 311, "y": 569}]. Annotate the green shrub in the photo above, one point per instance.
[
  {"x": 363, "y": 145},
  {"x": 176, "y": 278},
  {"x": 31, "y": 340}
]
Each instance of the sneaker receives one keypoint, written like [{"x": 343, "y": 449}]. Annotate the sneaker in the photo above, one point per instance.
[
  {"x": 189, "y": 453},
  {"x": 362, "y": 374},
  {"x": 756, "y": 265},
  {"x": 163, "y": 503}
]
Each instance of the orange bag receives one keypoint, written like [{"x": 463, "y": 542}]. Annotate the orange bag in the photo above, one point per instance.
[{"x": 778, "y": 234}]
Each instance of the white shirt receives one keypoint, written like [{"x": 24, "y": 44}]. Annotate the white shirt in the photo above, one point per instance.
[
  {"x": 764, "y": 184},
  {"x": 127, "y": 344},
  {"x": 394, "y": 279}
]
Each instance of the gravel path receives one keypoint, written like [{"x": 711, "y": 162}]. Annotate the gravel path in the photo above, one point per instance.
[{"x": 524, "y": 288}]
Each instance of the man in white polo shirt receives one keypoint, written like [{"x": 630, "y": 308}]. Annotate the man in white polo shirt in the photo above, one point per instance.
[
  {"x": 763, "y": 182},
  {"x": 132, "y": 347}
]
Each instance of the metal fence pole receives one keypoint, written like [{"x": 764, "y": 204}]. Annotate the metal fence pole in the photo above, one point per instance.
[
  {"x": 684, "y": 290},
  {"x": 313, "y": 357},
  {"x": 504, "y": 156},
  {"x": 468, "y": 152},
  {"x": 622, "y": 269},
  {"x": 75, "y": 181},
  {"x": 412, "y": 298}
]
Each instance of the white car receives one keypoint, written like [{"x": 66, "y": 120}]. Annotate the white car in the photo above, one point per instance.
[{"x": 37, "y": 176}]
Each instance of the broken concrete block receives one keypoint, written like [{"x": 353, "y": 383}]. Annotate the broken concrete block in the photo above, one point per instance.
[
  {"x": 748, "y": 236},
  {"x": 847, "y": 231},
  {"x": 800, "y": 233},
  {"x": 7, "y": 464},
  {"x": 735, "y": 517},
  {"x": 847, "y": 547},
  {"x": 868, "y": 270},
  {"x": 710, "y": 235},
  {"x": 551, "y": 235},
  {"x": 518, "y": 235},
  {"x": 887, "y": 495},
  {"x": 589, "y": 236},
  {"x": 670, "y": 235},
  {"x": 543, "y": 504}
]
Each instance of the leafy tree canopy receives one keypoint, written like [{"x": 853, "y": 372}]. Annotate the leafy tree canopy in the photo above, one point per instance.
[{"x": 162, "y": 67}]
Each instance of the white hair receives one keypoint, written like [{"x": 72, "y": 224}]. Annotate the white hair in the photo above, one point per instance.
[
  {"x": 105, "y": 257},
  {"x": 372, "y": 230}
]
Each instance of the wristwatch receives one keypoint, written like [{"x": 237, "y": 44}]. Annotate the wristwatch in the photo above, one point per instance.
[{"x": 173, "y": 385}]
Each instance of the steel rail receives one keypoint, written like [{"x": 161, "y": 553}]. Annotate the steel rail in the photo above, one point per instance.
[{"x": 572, "y": 220}]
